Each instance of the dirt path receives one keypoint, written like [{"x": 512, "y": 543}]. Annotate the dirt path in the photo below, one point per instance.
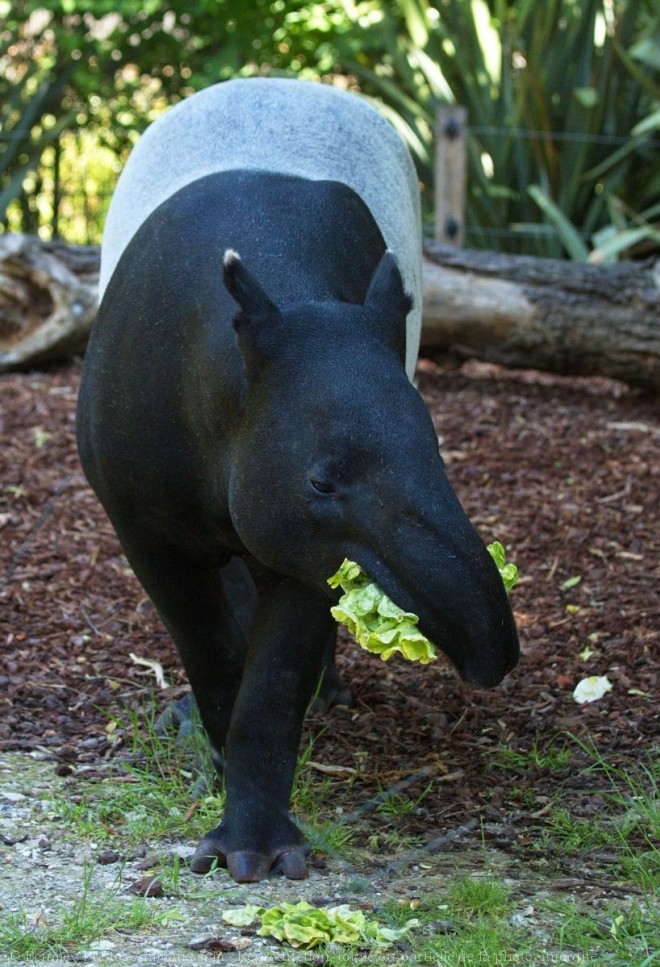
[{"x": 565, "y": 472}]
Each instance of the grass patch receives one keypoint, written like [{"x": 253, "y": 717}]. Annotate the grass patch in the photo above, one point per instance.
[
  {"x": 481, "y": 942},
  {"x": 469, "y": 924},
  {"x": 568, "y": 835},
  {"x": 616, "y": 934},
  {"x": 160, "y": 792},
  {"x": 486, "y": 897},
  {"x": 628, "y": 825},
  {"x": 553, "y": 755},
  {"x": 91, "y": 917},
  {"x": 394, "y": 805}
]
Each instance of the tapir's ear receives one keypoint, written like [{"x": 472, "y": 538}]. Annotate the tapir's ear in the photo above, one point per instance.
[
  {"x": 257, "y": 323},
  {"x": 386, "y": 287},
  {"x": 245, "y": 289}
]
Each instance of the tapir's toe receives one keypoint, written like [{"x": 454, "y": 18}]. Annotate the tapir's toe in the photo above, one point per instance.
[
  {"x": 249, "y": 866},
  {"x": 208, "y": 854},
  {"x": 331, "y": 692},
  {"x": 291, "y": 863}
]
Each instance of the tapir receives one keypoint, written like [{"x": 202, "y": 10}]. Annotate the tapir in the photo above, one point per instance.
[{"x": 247, "y": 419}]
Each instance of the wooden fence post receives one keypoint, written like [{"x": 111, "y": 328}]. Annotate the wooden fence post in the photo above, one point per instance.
[{"x": 450, "y": 174}]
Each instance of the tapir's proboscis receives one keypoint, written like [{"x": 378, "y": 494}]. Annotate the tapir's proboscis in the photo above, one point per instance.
[{"x": 248, "y": 421}]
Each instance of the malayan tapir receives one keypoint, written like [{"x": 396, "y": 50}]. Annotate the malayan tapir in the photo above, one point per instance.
[{"x": 247, "y": 419}]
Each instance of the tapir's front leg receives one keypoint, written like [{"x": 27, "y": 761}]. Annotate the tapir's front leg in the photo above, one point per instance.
[{"x": 283, "y": 665}]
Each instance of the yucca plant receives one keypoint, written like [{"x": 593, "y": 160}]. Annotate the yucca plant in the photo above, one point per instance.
[{"x": 563, "y": 101}]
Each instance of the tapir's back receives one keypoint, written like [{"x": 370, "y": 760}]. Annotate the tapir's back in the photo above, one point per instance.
[{"x": 293, "y": 127}]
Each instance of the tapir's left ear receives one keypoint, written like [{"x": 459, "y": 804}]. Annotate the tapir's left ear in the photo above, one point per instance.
[{"x": 386, "y": 288}]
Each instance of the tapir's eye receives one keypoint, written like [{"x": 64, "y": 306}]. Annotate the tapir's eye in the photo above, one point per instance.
[{"x": 321, "y": 486}]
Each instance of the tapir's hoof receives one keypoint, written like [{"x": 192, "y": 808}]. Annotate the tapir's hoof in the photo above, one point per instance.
[
  {"x": 249, "y": 866},
  {"x": 179, "y": 716},
  {"x": 332, "y": 692}
]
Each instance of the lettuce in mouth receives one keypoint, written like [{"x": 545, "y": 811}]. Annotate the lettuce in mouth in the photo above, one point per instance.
[
  {"x": 508, "y": 570},
  {"x": 379, "y": 625}
]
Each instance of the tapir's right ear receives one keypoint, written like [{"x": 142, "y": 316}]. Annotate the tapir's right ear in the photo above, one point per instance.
[
  {"x": 245, "y": 289},
  {"x": 386, "y": 287},
  {"x": 386, "y": 293}
]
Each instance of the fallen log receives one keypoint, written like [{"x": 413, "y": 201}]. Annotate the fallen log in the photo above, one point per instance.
[
  {"x": 563, "y": 317},
  {"x": 560, "y": 316},
  {"x": 48, "y": 299}
]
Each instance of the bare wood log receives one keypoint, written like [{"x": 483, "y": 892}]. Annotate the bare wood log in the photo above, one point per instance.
[
  {"x": 48, "y": 299},
  {"x": 560, "y": 316},
  {"x": 563, "y": 317}
]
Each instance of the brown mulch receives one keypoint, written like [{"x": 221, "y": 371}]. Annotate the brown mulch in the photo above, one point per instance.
[{"x": 565, "y": 472}]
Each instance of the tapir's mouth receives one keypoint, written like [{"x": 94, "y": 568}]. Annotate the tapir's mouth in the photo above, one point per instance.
[
  {"x": 480, "y": 665},
  {"x": 482, "y": 645}
]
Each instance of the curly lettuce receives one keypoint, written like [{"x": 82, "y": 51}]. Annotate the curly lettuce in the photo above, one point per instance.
[
  {"x": 379, "y": 625},
  {"x": 376, "y": 623},
  {"x": 508, "y": 570},
  {"x": 304, "y": 926}
]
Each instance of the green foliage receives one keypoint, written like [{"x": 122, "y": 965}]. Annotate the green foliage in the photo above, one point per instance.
[
  {"x": 482, "y": 896},
  {"x": 566, "y": 72},
  {"x": 93, "y": 916},
  {"x": 32, "y": 115},
  {"x": 481, "y": 942},
  {"x": 393, "y": 805},
  {"x": 633, "y": 797},
  {"x": 622, "y": 934},
  {"x": 563, "y": 97},
  {"x": 549, "y": 755}
]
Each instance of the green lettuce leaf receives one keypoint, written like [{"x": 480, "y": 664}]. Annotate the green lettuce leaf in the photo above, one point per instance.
[
  {"x": 379, "y": 625},
  {"x": 304, "y": 926},
  {"x": 508, "y": 571},
  {"x": 242, "y": 916},
  {"x": 375, "y": 621}
]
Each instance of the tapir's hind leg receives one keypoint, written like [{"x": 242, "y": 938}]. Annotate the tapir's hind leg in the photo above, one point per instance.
[
  {"x": 331, "y": 690},
  {"x": 240, "y": 592}
]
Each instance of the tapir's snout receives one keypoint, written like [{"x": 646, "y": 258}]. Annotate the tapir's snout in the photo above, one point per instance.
[
  {"x": 476, "y": 630},
  {"x": 444, "y": 574},
  {"x": 469, "y": 618},
  {"x": 485, "y": 661}
]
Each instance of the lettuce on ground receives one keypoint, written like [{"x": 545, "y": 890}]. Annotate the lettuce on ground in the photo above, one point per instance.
[{"x": 304, "y": 926}]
